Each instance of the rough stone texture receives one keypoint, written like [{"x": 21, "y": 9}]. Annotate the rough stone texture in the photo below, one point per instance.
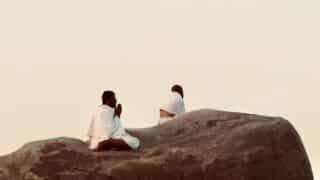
[{"x": 205, "y": 144}]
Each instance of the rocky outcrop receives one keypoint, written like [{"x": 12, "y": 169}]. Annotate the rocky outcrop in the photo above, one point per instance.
[{"x": 204, "y": 144}]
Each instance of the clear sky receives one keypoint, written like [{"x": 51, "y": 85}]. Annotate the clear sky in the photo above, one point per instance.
[{"x": 56, "y": 58}]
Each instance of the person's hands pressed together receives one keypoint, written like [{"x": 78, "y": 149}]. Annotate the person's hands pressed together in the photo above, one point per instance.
[{"x": 118, "y": 110}]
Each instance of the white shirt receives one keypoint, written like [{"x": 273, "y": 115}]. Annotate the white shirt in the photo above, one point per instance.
[
  {"x": 102, "y": 125},
  {"x": 175, "y": 104}
]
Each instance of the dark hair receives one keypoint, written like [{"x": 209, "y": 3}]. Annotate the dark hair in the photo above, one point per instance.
[
  {"x": 106, "y": 96},
  {"x": 177, "y": 88}
]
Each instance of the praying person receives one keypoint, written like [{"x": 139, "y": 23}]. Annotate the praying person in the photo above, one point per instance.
[{"x": 106, "y": 130}]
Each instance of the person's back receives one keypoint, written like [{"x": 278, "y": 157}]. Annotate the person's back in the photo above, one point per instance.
[{"x": 102, "y": 125}]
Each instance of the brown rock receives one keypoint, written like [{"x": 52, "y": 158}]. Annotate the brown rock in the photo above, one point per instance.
[{"x": 205, "y": 144}]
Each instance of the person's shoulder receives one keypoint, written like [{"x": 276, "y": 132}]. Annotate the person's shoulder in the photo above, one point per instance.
[
  {"x": 102, "y": 111},
  {"x": 105, "y": 109},
  {"x": 101, "y": 108}
]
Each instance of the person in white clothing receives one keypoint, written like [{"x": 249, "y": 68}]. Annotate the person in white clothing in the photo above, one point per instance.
[
  {"x": 106, "y": 131},
  {"x": 175, "y": 105}
]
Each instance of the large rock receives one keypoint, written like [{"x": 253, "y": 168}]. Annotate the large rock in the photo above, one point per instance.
[{"x": 205, "y": 144}]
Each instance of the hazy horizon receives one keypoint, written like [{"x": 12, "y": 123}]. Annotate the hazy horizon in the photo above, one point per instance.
[{"x": 57, "y": 57}]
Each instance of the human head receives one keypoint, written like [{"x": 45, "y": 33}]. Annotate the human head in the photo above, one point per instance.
[
  {"x": 109, "y": 98},
  {"x": 177, "y": 88}
]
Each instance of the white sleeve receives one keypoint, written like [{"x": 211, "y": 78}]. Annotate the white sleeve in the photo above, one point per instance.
[
  {"x": 120, "y": 125},
  {"x": 183, "y": 107},
  {"x": 119, "y": 129}
]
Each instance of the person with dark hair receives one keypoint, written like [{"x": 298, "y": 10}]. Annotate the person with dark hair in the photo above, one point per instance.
[
  {"x": 178, "y": 89},
  {"x": 174, "y": 106},
  {"x": 106, "y": 131}
]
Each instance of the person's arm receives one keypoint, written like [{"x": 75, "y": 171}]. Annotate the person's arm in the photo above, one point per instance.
[
  {"x": 117, "y": 122},
  {"x": 90, "y": 131}
]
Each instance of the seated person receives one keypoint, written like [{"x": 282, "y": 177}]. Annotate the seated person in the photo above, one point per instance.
[
  {"x": 106, "y": 131},
  {"x": 174, "y": 106}
]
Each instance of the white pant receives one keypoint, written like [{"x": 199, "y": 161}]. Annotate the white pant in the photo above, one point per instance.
[
  {"x": 164, "y": 120},
  {"x": 121, "y": 133},
  {"x": 133, "y": 142}
]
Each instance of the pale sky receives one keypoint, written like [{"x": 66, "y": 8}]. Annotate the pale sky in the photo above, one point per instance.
[{"x": 57, "y": 57}]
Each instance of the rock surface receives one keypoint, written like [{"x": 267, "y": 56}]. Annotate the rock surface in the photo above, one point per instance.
[{"x": 205, "y": 144}]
